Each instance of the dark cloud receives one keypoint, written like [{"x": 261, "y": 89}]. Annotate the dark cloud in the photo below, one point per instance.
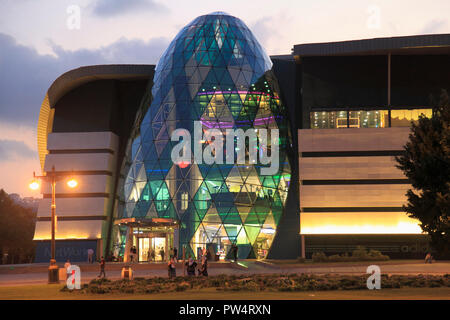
[
  {"x": 109, "y": 8},
  {"x": 24, "y": 78},
  {"x": 25, "y": 75},
  {"x": 434, "y": 26},
  {"x": 12, "y": 149}
]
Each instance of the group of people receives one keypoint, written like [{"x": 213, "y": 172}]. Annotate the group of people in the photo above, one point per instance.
[
  {"x": 151, "y": 256},
  {"x": 190, "y": 265}
]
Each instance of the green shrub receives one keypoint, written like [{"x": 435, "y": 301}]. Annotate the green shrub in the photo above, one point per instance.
[
  {"x": 261, "y": 282},
  {"x": 181, "y": 287},
  {"x": 129, "y": 290},
  {"x": 334, "y": 257},
  {"x": 360, "y": 253},
  {"x": 319, "y": 257},
  {"x": 152, "y": 289},
  {"x": 377, "y": 255},
  {"x": 139, "y": 279}
]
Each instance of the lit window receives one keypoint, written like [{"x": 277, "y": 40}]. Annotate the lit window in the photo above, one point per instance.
[
  {"x": 403, "y": 118},
  {"x": 328, "y": 120},
  {"x": 369, "y": 119},
  {"x": 184, "y": 201}
]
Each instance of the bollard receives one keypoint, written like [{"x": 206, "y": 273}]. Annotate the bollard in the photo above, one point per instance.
[{"x": 127, "y": 273}]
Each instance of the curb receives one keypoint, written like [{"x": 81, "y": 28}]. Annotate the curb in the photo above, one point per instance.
[{"x": 266, "y": 264}]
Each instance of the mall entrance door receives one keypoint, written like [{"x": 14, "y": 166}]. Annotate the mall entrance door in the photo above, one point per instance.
[
  {"x": 151, "y": 238},
  {"x": 154, "y": 247}
]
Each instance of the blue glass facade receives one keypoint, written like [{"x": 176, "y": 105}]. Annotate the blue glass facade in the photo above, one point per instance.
[{"x": 215, "y": 72}]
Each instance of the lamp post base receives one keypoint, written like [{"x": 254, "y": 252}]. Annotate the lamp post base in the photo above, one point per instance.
[{"x": 53, "y": 272}]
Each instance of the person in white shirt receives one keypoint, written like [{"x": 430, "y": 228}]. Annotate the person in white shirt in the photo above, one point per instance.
[{"x": 90, "y": 255}]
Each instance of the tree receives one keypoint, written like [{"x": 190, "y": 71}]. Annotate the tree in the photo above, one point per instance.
[
  {"x": 426, "y": 163},
  {"x": 16, "y": 229}
]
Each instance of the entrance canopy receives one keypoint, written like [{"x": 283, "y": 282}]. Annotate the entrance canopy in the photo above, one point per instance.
[{"x": 147, "y": 222}]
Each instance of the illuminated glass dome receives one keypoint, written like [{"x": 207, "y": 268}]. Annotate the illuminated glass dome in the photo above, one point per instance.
[{"x": 216, "y": 72}]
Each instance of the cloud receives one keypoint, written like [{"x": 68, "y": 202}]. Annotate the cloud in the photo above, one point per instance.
[
  {"x": 13, "y": 149},
  {"x": 128, "y": 51},
  {"x": 24, "y": 78},
  {"x": 25, "y": 75},
  {"x": 266, "y": 31},
  {"x": 109, "y": 8},
  {"x": 263, "y": 29},
  {"x": 434, "y": 26}
]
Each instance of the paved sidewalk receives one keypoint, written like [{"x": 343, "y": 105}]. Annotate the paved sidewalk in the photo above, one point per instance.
[
  {"x": 37, "y": 274},
  {"x": 41, "y": 278},
  {"x": 43, "y": 267}
]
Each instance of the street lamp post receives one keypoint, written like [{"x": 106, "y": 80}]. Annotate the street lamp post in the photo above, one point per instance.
[{"x": 52, "y": 177}]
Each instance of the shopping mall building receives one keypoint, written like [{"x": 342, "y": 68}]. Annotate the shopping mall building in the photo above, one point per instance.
[{"x": 342, "y": 110}]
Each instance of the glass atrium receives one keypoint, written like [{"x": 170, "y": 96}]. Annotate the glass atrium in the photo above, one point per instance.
[{"x": 216, "y": 72}]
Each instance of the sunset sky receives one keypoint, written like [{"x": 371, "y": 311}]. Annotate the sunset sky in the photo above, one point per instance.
[{"x": 37, "y": 45}]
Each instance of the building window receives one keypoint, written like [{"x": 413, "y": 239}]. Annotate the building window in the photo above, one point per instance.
[
  {"x": 328, "y": 119},
  {"x": 369, "y": 119},
  {"x": 184, "y": 201},
  {"x": 366, "y": 118},
  {"x": 403, "y": 118},
  {"x": 162, "y": 199}
]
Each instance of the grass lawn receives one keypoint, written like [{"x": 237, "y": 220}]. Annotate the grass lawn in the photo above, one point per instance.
[{"x": 36, "y": 292}]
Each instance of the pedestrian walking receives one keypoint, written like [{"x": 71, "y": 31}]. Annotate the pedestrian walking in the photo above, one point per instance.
[
  {"x": 203, "y": 270},
  {"x": 161, "y": 252},
  {"x": 428, "y": 258},
  {"x": 171, "y": 266},
  {"x": 102, "y": 268},
  {"x": 90, "y": 253}
]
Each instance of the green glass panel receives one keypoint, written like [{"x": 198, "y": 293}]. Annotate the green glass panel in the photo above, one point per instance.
[
  {"x": 252, "y": 232},
  {"x": 252, "y": 218},
  {"x": 277, "y": 212},
  {"x": 232, "y": 218}
]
